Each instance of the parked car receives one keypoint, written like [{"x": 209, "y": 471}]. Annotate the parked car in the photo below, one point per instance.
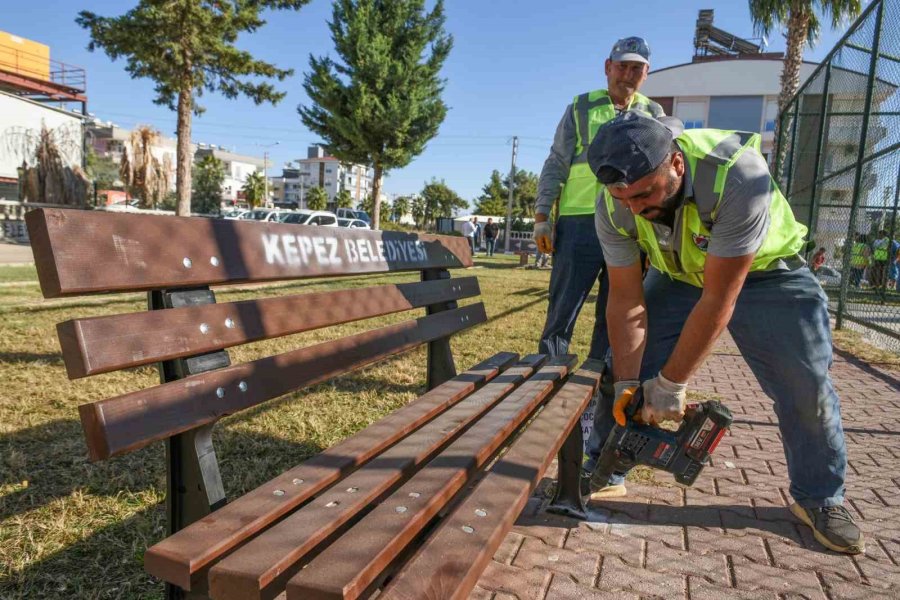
[
  {"x": 353, "y": 223},
  {"x": 310, "y": 217},
  {"x": 235, "y": 213},
  {"x": 349, "y": 213},
  {"x": 262, "y": 214}
]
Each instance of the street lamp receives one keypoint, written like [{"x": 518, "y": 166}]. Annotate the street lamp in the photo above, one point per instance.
[{"x": 265, "y": 171}]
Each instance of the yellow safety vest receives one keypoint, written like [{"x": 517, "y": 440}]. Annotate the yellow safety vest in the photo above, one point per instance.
[
  {"x": 709, "y": 153},
  {"x": 591, "y": 110}
]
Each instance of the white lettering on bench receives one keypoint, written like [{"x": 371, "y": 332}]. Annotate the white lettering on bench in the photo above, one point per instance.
[
  {"x": 273, "y": 252},
  {"x": 294, "y": 250}
]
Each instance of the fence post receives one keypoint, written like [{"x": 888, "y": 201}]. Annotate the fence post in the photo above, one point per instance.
[
  {"x": 820, "y": 143},
  {"x": 857, "y": 177}
]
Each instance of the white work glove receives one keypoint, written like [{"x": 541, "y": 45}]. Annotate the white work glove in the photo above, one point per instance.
[
  {"x": 543, "y": 236},
  {"x": 664, "y": 400}
]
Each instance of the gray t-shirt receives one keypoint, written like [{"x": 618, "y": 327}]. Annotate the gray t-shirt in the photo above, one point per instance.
[{"x": 739, "y": 227}]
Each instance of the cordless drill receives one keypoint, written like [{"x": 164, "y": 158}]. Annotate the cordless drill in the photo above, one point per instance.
[{"x": 683, "y": 453}]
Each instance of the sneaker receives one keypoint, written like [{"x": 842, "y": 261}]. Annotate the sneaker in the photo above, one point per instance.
[
  {"x": 609, "y": 491},
  {"x": 833, "y": 527}
]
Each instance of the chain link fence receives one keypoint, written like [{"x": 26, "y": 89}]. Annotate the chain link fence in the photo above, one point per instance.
[{"x": 839, "y": 165}]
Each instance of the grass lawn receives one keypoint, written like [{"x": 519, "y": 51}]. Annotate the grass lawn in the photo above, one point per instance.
[{"x": 72, "y": 529}]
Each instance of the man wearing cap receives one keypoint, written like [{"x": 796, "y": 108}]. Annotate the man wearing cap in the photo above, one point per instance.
[
  {"x": 566, "y": 178},
  {"x": 724, "y": 251}
]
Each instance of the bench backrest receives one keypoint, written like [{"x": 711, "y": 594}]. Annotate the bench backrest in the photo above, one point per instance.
[{"x": 177, "y": 259}]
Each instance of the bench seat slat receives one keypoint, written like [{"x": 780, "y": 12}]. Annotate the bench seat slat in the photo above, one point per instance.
[
  {"x": 84, "y": 252},
  {"x": 352, "y": 563},
  {"x": 102, "y": 344},
  {"x": 178, "y": 557},
  {"x": 264, "y": 564},
  {"x": 131, "y": 421},
  {"x": 451, "y": 560}
]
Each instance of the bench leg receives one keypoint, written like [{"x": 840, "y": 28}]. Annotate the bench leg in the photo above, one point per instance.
[
  {"x": 441, "y": 367},
  {"x": 568, "y": 500}
]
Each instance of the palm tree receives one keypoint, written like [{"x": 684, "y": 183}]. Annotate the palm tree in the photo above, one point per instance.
[
  {"x": 802, "y": 20},
  {"x": 254, "y": 188},
  {"x": 401, "y": 207},
  {"x": 317, "y": 198}
]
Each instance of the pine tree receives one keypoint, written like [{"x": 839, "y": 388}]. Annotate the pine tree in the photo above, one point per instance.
[
  {"x": 382, "y": 103},
  {"x": 187, "y": 47},
  {"x": 493, "y": 197},
  {"x": 209, "y": 174}
]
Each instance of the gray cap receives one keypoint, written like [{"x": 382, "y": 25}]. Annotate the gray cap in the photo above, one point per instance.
[
  {"x": 631, "y": 49},
  {"x": 631, "y": 146}
]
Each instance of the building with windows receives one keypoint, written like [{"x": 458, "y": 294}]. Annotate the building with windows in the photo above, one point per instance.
[
  {"x": 237, "y": 168},
  {"x": 319, "y": 169},
  {"x": 724, "y": 92}
]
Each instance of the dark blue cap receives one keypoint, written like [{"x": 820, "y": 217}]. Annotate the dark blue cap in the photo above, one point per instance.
[
  {"x": 631, "y": 146},
  {"x": 631, "y": 48}
]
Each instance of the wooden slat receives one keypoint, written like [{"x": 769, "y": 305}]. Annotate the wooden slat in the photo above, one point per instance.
[
  {"x": 262, "y": 566},
  {"x": 85, "y": 252},
  {"x": 352, "y": 563},
  {"x": 180, "y": 556},
  {"x": 450, "y": 562},
  {"x": 102, "y": 344},
  {"x": 133, "y": 420}
]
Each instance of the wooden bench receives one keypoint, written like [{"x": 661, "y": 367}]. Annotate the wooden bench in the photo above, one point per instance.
[{"x": 413, "y": 506}]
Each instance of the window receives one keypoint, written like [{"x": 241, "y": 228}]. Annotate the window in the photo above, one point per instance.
[
  {"x": 770, "y": 115},
  {"x": 691, "y": 113}
]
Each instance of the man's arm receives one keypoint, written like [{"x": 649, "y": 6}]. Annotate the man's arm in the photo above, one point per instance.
[
  {"x": 626, "y": 318},
  {"x": 556, "y": 168},
  {"x": 724, "y": 278}
]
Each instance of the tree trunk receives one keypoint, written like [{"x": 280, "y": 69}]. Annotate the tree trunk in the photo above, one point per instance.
[
  {"x": 376, "y": 196},
  {"x": 183, "y": 154},
  {"x": 798, "y": 25}
]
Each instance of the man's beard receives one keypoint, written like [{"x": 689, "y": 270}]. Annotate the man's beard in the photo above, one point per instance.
[{"x": 665, "y": 213}]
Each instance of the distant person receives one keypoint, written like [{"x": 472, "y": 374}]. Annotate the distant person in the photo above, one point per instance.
[
  {"x": 883, "y": 251},
  {"x": 818, "y": 260},
  {"x": 491, "y": 232},
  {"x": 859, "y": 259},
  {"x": 477, "y": 227},
  {"x": 567, "y": 180},
  {"x": 468, "y": 231}
]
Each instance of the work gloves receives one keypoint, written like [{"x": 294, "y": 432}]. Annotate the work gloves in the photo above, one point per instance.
[
  {"x": 664, "y": 400},
  {"x": 543, "y": 236}
]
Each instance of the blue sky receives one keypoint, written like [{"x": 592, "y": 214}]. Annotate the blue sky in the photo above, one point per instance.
[{"x": 514, "y": 67}]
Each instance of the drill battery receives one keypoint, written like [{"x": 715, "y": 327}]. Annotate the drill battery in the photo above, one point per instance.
[{"x": 683, "y": 453}]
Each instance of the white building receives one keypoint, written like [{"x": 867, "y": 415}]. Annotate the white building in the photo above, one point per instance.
[
  {"x": 108, "y": 140},
  {"x": 237, "y": 168},
  {"x": 21, "y": 121},
  {"x": 319, "y": 169},
  {"x": 723, "y": 93}
]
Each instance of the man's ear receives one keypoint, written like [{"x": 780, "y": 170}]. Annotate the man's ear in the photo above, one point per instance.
[
  {"x": 678, "y": 163},
  {"x": 606, "y": 65}
]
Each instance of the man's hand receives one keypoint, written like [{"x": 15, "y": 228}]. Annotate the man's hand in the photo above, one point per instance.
[
  {"x": 663, "y": 400},
  {"x": 543, "y": 236},
  {"x": 624, "y": 393}
]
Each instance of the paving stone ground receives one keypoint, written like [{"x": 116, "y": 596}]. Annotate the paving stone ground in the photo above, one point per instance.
[{"x": 731, "y": 535}]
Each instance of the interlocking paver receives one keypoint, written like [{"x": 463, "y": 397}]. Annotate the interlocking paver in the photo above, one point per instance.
[{"x": 731, "y": 535}]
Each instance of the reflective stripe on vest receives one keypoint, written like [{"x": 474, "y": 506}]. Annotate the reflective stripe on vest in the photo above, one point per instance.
[
  {"x": 709, "y": 154},
  {"x": 590, "y": 111}
]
